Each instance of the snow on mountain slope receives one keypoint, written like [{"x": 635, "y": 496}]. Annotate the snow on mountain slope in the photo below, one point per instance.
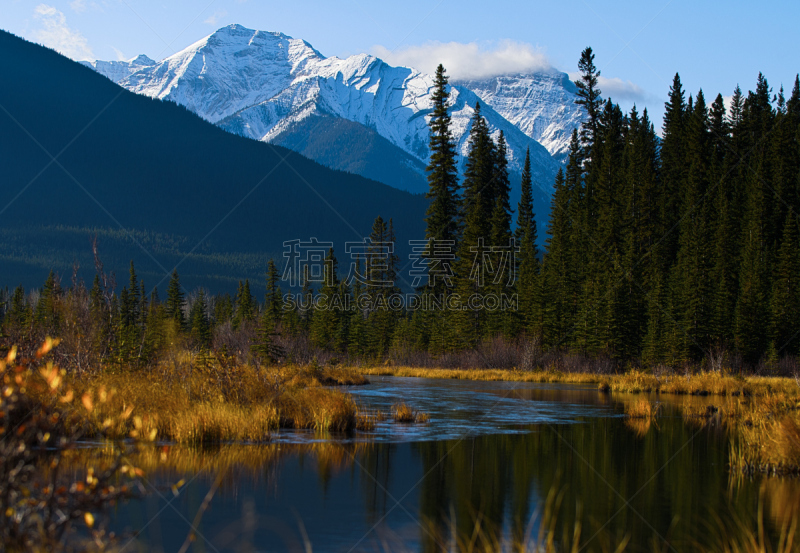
[
  {"x": 230, "y": 70},
  {"x": 261, "y": 84},
  {"x": 542, "y": 105},
  {"x": 393, "y": 101},
  {"x": 118, "y": 70}
]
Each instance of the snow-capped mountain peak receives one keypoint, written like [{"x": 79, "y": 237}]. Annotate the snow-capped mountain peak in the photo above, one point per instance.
[
  {"x": 263, "y": 84},
  {"x": 225, "y": 72}
]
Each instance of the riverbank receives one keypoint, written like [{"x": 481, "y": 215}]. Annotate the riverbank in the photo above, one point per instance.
[
  {"x": 485, "y": 374},
  {"x": 467, "y": 468},
  {"x": 199, "y": 399},
  {"x": 701, "y": 383},
  {"x": 761, "y": 414}
]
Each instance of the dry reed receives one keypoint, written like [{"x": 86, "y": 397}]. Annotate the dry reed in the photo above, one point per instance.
[{"x": 402, "y": 412}]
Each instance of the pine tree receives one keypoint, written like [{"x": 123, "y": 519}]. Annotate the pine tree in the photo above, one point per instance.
[
  {"x": 46, "y": 313},
  {"x": 785, "y": 324},
  {"x": 498, "y": 320},
  {"x": 724, "y": 226},
  {"x": 659, "y": 324},
  {"x": 563, "y": 267},
  {"x": 381, "y": 274},
  {"x": 156, "y": 332},
  {"x": 500, "y": 224},
  {"x": 393, "y": 265},
  {"x": 442, "y": 216},
  {"x": 198, "y": 318},
  {"x": 526, "y": 223},
  {"x": 99, "y": 318},
  {"x": 476, "y": 209},
  {"x": 291, "y": 322},
  {"x": 223, "y": 309},
  {"x": 245, "y": 306},
  {"x": 600, "y": 310},
  {"x": 753, "y": 305},
  {"x": 784, "y": 164},
  {"x": 581, "y": 179},
  {"x": 19, "y": 317},
  {"x": 357, "y": 342},
  {"x": 377, "y": 258},
  {"x": 266, "y": 347},
  {"x": 174, "y": 304},
  {"x": 751, "y": 324},
  {"x": 134, "y": 299},
  {"x": 305, "y": 302},
  {"x": 325, "y": 321},
  {"x": 693, "y": 265},
  {"x": 478, "y": 197},
  {"x": 528, "y": 275},
  {"x": 341, "y": 340},
  {"x": 638, "y": 227},
  {"x": 673, "y": 163},
  {"x": 589, "y": 97},
  {"x": 273, "y": 302}
]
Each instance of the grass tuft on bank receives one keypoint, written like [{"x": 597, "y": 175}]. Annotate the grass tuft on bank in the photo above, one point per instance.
[{"x": 196, "y": 400}]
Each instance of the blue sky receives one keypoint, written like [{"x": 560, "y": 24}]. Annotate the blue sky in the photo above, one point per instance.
[{"x": 638, "y": 45}]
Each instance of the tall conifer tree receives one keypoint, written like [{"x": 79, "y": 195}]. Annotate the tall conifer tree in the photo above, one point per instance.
[
  {"x": 174, "y": 305},
  {"x": 528, "y": 276},
  {"x": 442, "y": 216}
]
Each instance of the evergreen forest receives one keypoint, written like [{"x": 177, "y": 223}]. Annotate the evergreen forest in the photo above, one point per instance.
[{"x": 677, "y": 249}]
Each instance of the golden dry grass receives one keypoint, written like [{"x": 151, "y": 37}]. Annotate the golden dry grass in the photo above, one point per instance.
[
  {"x": 762, "y": 415},
  {"x": 770, "y": 444},
  {"x": 486, "y": 374},
  {"x": 197, "y": 400},
  {"x": 402, "y": 412},
  {"x": 702, "y": 383},
  {"x": 640, "y": 415},
  {"x": 764, "y": 429},
  {"x": 634, "y": 381}
]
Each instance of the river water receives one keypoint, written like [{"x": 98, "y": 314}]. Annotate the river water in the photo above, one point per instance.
[{"x": 492, "y": 452}]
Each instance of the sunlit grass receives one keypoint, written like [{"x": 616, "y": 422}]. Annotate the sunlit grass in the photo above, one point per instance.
[
  {"x": 199, "y": 400},
  {"x": 486, "y": 374},
  {"x": 704, "y": 383},
  {"x": 402, "y": 412}
]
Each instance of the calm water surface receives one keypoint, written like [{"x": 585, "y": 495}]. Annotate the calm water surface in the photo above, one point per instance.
[{"x": 493, "y": 450}]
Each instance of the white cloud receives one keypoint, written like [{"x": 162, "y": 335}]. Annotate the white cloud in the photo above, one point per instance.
[
  {"x": 119, "y": 54},
  {"x": 56, "y": 34},
  {"x": 216, "y": 17},
  {"x": 618, "y": 90},
  {"x": 78, "y": 5},
  {"x": 469, "y": 60},
  {"x": 479, "y": 61}
]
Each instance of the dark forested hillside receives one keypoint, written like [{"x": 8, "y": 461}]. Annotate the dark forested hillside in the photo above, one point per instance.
[
  {"x": 156, "y": 183},
  {"x": 348, "y": 146}
]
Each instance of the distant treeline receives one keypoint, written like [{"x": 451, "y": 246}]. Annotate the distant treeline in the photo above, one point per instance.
[{"x": 675, "y": 251}]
